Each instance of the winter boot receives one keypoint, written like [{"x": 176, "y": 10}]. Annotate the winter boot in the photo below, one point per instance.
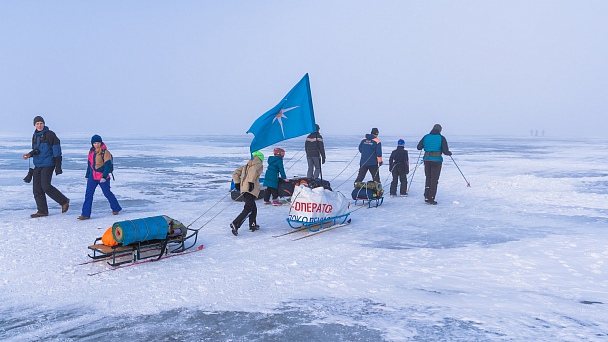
[
  {"x": 235, "y": 229},
  {"x": 276, "y": 202},
  {"x": 253, "y": 227}
]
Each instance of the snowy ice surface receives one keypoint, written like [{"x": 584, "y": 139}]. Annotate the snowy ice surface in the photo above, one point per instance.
[{"x": 518, "y": 256}]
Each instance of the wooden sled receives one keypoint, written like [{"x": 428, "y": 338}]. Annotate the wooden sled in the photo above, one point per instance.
[
  {"x": 318, "y": 225},
  {"x": 143, "y": 249},
  {"x": 376, "y": 202}
]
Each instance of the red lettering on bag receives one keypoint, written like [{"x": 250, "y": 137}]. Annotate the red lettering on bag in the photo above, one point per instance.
[{"x": 311, "y": 207}]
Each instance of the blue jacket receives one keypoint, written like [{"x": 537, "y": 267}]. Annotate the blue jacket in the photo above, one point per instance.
[
  {"x": 434, "y": 145},
  {"x": 371, "y": 150},
  {"x": 49, "y": 146},
  {"x": 275, "y": 166}
]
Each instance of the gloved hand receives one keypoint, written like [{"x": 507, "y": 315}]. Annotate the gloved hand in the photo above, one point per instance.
[
  {"x": 30, "y": 174},
  {"x": 237, "y": 187},
  {"x": 380, "y": 164},
  {"x": 250, "y": 186},
  {"x": 103, "y": 180},
  {"x": 323, "y": 161},
  {"x": 58, "y": 169}
]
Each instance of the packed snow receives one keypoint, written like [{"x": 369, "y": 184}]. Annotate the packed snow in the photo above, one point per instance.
[{"x": 519, "y": 255}]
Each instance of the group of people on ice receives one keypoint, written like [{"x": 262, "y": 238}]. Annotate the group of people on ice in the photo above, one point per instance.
[
  {"x": 434, "y": 145},
  {"x": 247, "y": 177},
  {"x": 46, "y": 157}
]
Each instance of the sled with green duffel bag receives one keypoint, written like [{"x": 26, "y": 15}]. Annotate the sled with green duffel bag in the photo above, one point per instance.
[{"x": 370, "y": 192}]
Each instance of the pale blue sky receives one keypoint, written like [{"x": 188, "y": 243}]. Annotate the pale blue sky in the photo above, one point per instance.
[{"x": 212, "y": 67}]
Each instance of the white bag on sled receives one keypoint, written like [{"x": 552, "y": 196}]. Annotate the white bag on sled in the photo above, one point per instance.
[{"x": 318, "y": 204}]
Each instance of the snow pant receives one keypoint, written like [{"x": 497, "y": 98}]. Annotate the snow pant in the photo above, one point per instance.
[
  {"x": 250, "y": 209},
  {"x": 42, "y": 187},
  {"x": 314, "y": 167},
  {"x": 88, "y": 196},
  {"x": 432, "y": 170},
  {"x": 271, "y": 191},
  {"x": 399, "y": 175},
  {"x": 373, "y": 170}
]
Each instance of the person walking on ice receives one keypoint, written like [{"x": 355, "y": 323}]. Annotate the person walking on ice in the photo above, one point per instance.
[
  {"x": 434, "y": 144},
  {"x": 247, "y": 181},
  {"x": 315, "y": 153},
  {"x": 399, "y": 165},
  {"x": 371, "y": 156},
  {"x": 99, "y": 166},
  {"x": 46, "y": 153},
  {"x": 271, "y": 178}
]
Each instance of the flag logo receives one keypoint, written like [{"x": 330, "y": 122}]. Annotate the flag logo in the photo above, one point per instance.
[
  {"x": 282, "y": 115},
  {"x": 292, "y": 117}
]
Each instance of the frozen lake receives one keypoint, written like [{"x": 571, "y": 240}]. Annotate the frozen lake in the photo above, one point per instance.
[{"x": 519, "y": 256}]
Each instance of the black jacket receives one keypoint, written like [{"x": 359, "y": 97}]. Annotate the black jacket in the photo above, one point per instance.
[
  {"x": 399, "y": 160},
  {"x": 314, "y": 145}
]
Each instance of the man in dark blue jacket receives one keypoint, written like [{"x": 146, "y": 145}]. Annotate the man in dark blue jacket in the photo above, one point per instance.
[
  {"x": 434, "y": 144},
  {"x": 46, "y": 151},
  {"x": 371, "y": 156}
]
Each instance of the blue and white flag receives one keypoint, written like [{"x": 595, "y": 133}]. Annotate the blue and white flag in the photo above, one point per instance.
[{"x": 292, "y": 117}]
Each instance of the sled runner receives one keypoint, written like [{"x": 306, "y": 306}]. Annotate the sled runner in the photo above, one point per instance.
[
  {"x": 145, "y": 238},
  {"x": 318, "y": 225},
  {"x": 375, "y": 202}
]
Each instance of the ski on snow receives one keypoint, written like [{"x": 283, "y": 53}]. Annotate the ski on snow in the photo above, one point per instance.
[
  {"x": 291, "y": 232},
  {"x": 335, "y": 226},
  {"x": 199, "y": 248},
  {"x": 313, "y": 226}
]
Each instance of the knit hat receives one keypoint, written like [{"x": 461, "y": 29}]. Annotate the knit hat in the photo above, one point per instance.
[
  {"x": 279, "y": 152},
  {"x": 95, "y": 138},
  {"x": 257, "y": 154},
  {"x": 38, "y": 119},
  {"x": 437, "y": 127},
  {"x": 375, "y": 131},
  {"x": 401, "y": 142}
]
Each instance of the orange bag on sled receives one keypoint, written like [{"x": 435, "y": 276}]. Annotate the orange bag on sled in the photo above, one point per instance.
[{"x": 107, "y": 238}]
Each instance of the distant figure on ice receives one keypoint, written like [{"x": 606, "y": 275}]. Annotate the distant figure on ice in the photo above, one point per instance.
[
  {"x": 271, "y": 178},
  {"x": 315, "y": 153},
  {"x": 434, "y": 144},
  {"x": 399, "y": 164},
  {"x": 99, "y": 166},
  {"x": 46, "y": 151},
  {"x": 247, "y": 181},
  {"x": 371, "y": 156}
]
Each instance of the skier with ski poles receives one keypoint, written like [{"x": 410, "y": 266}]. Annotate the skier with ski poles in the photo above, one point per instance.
[{"x": 434, "y": 145}]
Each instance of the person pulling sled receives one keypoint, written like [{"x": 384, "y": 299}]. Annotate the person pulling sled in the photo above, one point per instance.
[{"x": 247, "y": 181}]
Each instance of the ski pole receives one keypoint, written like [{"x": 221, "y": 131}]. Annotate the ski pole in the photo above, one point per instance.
[
  {"x": 465, "y": 178},
  {"x": 413, "y": 173}
]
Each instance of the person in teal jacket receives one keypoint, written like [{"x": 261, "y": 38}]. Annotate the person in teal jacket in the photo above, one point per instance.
[
  {"x": 434, "y": 144},
  {"x": 271, "y": 178}
]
